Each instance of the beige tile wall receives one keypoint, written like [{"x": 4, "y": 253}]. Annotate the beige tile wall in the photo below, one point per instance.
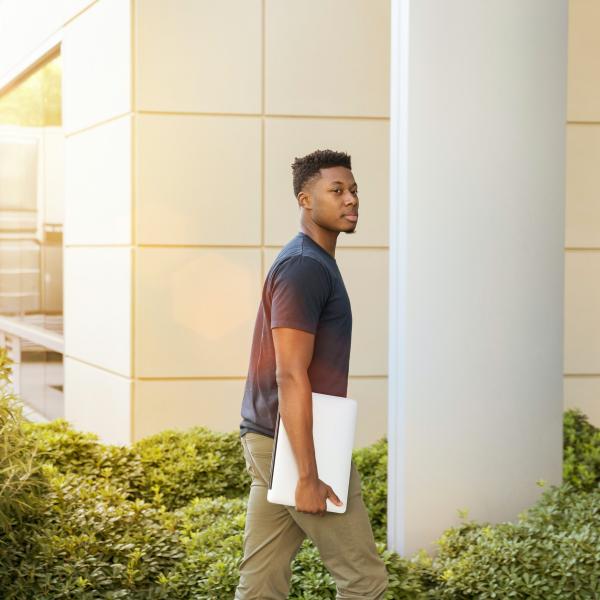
[
  {"x": 225, "y": 96},
  {"x": 327, "y": 57},
  {"x": 194, "y": 310},
  {"x": 198, "y": 56},
  {"x": 582, "y": 235},
  {"x": 198, "y": 180},
  {"x": 181, "y": 129},
  {"x": 98, "y": 400},
  {"x": 98, "y": 253},
  {"x": 98, "y": 184},
  {"x": 96, "y": 51}
]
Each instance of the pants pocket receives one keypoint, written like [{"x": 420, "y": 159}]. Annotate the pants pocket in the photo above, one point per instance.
[
  {"x": 248, "y": 459},
  {"x": 258, "y": 454}
]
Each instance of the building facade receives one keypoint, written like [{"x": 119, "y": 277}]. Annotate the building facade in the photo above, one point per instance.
[
  {"x": 180, "y": 127},
  {"x": 145, "y": 189}
]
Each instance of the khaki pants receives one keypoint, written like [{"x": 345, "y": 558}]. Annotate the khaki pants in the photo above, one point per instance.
[{"x": 274, "y": 533}]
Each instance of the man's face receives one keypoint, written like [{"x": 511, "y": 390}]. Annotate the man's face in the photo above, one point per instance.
[{"x": 333, "y": 199}]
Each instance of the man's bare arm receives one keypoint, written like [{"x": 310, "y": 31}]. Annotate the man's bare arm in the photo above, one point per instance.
[{"x": 293, "y": 353}]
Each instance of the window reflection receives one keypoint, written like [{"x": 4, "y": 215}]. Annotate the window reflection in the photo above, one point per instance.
[{"x": 31, "y": 234}]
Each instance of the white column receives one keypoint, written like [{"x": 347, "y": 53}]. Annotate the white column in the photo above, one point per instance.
[{"x": 477, "y": 145}]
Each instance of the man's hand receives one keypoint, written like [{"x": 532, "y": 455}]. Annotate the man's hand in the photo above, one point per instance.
[{"x": 311, "y": 495}]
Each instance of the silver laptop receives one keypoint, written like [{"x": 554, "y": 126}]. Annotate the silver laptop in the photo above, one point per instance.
[{"x": 334, "y": 428}]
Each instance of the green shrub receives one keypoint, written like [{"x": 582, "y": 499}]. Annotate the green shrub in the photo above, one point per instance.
[
  {"x": 21, "y": 483},
  {"x": 211, "y": 532},
  {"x": 170, "y": 468},
  {"x": 551, "y": 552},
  {"x": 180, "y": 466},
  {"x": 80, "y": 454},
  {"x": 371, "y": 462},
  {"x": 95, "y": 526},
  {"x": 173, "y": 467},
  {"x": 88, "y": 541},
  {"x": 581, "y": 451}
]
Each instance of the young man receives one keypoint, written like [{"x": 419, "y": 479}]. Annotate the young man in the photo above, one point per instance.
[{"x": 301, "y": 344}]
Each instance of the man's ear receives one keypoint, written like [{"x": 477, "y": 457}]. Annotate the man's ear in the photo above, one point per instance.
[{"x": 304, "y": 200}]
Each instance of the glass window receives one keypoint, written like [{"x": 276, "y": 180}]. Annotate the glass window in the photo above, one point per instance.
[{"x": 31, "y": 233}]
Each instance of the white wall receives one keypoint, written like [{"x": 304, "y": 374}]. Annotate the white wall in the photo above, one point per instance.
[{"x": 476, "y": 258}]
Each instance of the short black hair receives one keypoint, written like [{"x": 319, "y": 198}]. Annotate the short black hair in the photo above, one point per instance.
[{"x": 309, "y": 166}]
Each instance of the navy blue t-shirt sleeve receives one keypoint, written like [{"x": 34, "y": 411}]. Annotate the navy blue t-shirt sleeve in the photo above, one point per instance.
[{"x": 301, "y": 287}]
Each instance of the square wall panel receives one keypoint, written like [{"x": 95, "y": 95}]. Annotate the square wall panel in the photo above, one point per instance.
[
  {"x": 367, "y": 142},
  {"x": 584, "y": 393},
  {"x": 582, "y": 317},
  {"x": 97, "y": 306},
  {"x": 583, "y": 96},
  {"x": 199, "y": 56},
  {"x": 583, "y": 186},
  {"x": 371, "y": 394},
  {"x": 96, "y": 55},
  {"x": 327, "y": 57},
  {"x": 98, "y": 184},
  {"x": 365, "y": 274},
  {"x": 195, "y": 311},
  {"x": 98, "y": 401},
  {"x": 198, "y": 180},
  {"x": 212, "y": 403}
]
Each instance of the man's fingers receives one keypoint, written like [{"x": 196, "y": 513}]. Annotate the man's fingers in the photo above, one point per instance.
[{"x": 334, "y": 496}]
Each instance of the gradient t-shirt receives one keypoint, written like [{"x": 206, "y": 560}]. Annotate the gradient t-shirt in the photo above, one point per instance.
[{"x": 303, "y": 289}]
